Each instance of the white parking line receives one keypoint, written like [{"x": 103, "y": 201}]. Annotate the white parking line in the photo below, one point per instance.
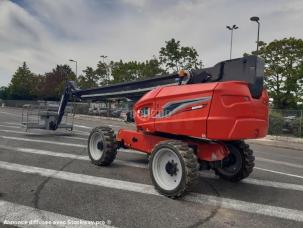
[
  {"x": 279, "y": 162},
  {"x": 82, "y": 126},
  {"x": 254, "y": 208},
  {"x": 20, "y": 216},
  {"x": 86, "y": 127},
  {"x": 10, "y": 113},
  {"x": 277, "y": 172},
  {"x": 9, "y": 126},
  {"x": 37, "y": 134},
  {"x": 44, "y": 141},
  {"x": 13, "y": 123},
  {"x": 68, "y": 155},
  {"x": 273, "y": 184}
]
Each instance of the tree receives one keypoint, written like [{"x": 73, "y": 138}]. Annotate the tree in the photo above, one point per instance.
[
  {"x": 123, "y": 72},
  {"x": 134, "y": 70},
  {"x": 103, "y": 72},
  {"x": 22, "y": 84},
  {"x": 300, "y": 86},
  {"x": 52, "y": 84},
  {"x": 283, "y": 63},
  {"x": 89, "y": 79},
  {"x": 151, "y": 68},
  {"x": 175, "y": 57},
  {"x": 4, "y": 93}
]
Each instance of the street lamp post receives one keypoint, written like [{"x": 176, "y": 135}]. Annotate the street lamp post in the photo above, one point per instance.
[
  {"x": 231, "y": 28},
  {"x": 71, "y": 60},
  {"x": 257, "y": 19},
  {"x": 103, "y": 57}
]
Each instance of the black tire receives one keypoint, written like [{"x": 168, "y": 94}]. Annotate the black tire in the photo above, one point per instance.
[
  {"x": 102, "y": 139},
  {"x": 241, "y": 161},
  {"x": 187, "y": 160}
]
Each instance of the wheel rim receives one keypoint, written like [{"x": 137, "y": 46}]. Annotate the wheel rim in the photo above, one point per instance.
[
  {"x": 167, "y": 169},
  {"x": 96, "y": 146}
]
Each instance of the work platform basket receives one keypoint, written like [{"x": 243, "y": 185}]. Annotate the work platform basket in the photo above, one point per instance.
[{"x": 44, "y": 115}]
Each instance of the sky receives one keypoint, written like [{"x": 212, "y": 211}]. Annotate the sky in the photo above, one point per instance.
[{"x": 45, "y": 33}]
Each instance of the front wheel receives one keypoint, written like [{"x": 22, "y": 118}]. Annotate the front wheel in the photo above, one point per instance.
[
  {"x": 238, "y": 164},
  {"x": 173, "y": 168},
  {"x": 102, "y": 148}
]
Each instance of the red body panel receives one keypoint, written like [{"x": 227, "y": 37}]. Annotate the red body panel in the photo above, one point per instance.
[
  {"x": 235, "y": 115},
  {"x": 185, "y": 121},
  {"x": 137, "y": 140},
  {"x": 141, "y": 141},
  {"x": 217, "y": 111}
]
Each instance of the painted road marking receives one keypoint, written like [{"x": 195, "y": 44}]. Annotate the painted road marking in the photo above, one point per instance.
[
  {"x": 82, "y": 132},
  {"x": 90, "y": 128},
  {"x": 277, "y": 172},
  {"x": 62, "y": 143},
  {"x": 68, "y": 155},
  {"x": 13, "y": 123},
  {"x": 82, "y": 126},
  {"x": 37, "y": 134},
  {"x": 279, "y": 162},
  {"x": 273, "y": 184},
  {"x": 44, "y": 141},
  {"x": 12, "y": 212},
  {"x": 227, "y": 203},
  {"x": 9, "y": 126},
  {"x": 9, "y": 113},
  {"x": 127, "y": 151}
]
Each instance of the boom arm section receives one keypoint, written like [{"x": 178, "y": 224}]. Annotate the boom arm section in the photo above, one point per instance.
[{"x": 70, "y": 89}]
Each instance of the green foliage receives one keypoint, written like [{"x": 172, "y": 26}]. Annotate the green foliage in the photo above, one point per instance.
[
  {"x": 150, "y": 68},
  {"x": 276, "y": 123},
  {"x": 52, "y": 84},
  {"x": 175, "y": 57},
  {"x": 22, "y": 84},
  {"x": 297, "y": 127},
  {"x": 283, "y": 71},
  {"x": 89, "y": 79},
  {"x": 103, "y": 73},
  {"x": 4, "y": 93},
  {"x": 133, "y": 70}
]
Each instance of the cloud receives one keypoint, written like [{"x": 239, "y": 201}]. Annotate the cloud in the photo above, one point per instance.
[{"x": 45, "y": 33}]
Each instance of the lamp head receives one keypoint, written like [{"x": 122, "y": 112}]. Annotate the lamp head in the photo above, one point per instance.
[{"x": 256, "y": 19}]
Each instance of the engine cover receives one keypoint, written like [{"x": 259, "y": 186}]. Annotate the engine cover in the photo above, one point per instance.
[{"x": 217, "y": 110}]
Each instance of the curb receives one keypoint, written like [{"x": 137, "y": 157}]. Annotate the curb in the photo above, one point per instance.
[{"x": 277, "y": 143}]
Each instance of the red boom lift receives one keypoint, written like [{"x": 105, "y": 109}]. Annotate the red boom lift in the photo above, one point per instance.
[{"x": 187, "y": 122}]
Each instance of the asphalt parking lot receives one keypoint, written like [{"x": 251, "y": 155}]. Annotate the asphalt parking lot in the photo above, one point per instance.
[{"x": 47, "y": 176}]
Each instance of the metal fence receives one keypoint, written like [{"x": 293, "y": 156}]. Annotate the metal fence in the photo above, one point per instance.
[
  {"x": 116, "y": 109},
  {"x": 281, "y": 122},
  {"x": 286, "y": 122}
]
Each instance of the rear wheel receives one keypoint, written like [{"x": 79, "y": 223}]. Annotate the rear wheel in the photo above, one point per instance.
[
  {"x": 102, "y": 149},
  {"x": 238, "y": 164},
  {"x": 173, "y": 168}
]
